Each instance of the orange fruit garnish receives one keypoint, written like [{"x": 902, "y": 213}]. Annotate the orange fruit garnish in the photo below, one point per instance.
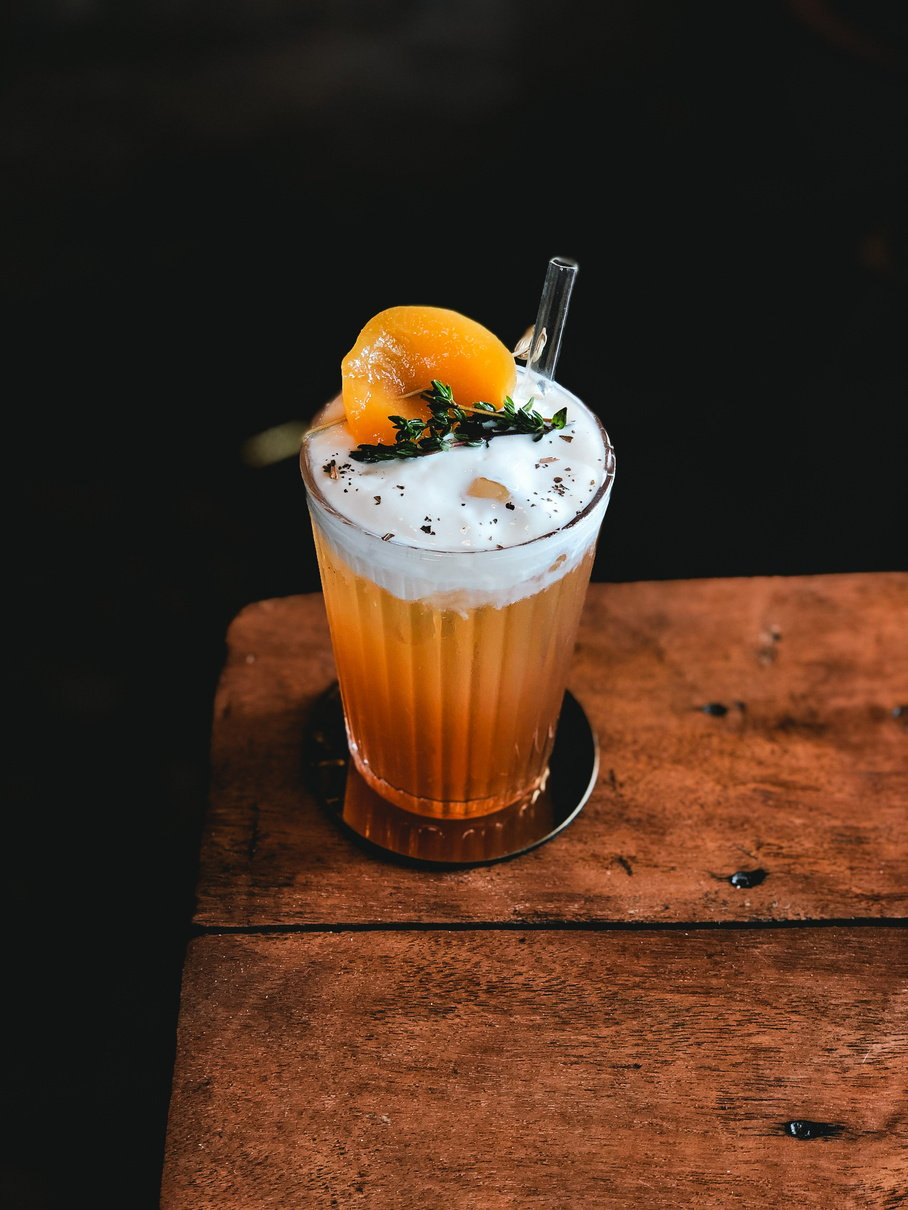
[{"x": 398, "y": 354}]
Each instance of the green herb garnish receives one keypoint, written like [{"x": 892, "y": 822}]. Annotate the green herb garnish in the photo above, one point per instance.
[{"x": 451, "y": 425}]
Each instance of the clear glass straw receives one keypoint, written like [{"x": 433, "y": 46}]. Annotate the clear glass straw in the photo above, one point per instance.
[{"x": 546, "y": 343}]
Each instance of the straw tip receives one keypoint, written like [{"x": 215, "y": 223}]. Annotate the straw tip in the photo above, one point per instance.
[{"x": 556, "y": 292}]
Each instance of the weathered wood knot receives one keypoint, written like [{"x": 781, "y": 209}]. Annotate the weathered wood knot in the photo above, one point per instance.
[
  {"x": 802, "y": 1128},
  {"x": 747, "y": 878}
]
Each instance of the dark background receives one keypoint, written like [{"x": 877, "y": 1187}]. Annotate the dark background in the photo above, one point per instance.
[{"x": 202, "y": 203}]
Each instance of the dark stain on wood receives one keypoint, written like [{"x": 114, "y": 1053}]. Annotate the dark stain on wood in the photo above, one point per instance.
[
  {"x": 747, "y": 878},
  {"x": 803, "y": 1128}
]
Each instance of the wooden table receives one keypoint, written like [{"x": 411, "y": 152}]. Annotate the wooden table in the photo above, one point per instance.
[{"x": 615, "y": 1018}]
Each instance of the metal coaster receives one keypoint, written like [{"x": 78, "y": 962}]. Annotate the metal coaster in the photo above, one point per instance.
[{"x": 390, "y": 832}]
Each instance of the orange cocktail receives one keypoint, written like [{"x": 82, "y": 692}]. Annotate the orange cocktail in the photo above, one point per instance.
[
  {"x": 454, "y": 577},
  {"x": 450, "y": 712}
]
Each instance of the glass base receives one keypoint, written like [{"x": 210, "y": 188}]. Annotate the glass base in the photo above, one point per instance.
[
  {"x": 391, "y": 832},
  {"x": 429, "y": 808}
]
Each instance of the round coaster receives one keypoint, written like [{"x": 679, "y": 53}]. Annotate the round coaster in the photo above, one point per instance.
[{"x": 388, "y": 831}]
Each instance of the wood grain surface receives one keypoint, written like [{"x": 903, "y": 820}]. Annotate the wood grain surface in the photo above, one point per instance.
[
  {"x": 608, "y": 1020},
  {"x": 556, "y": 1069},
  {"x": 803, "y": 777}
]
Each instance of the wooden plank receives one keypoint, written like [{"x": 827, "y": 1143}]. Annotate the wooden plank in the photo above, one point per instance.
[
  {"x": 417, "y": 1070},
  {"x": 805, "y": 777}
]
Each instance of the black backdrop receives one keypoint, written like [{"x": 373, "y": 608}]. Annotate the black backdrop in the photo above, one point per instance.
[{"x": 201, "y": 205}]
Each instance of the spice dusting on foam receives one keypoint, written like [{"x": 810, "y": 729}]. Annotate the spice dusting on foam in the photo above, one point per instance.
[
  {"x": 497, "y": 496},
  {"x": 502, "y": 493}
]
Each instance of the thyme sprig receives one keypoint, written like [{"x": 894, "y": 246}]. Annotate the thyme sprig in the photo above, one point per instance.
[{"x": 451, "y": 424}]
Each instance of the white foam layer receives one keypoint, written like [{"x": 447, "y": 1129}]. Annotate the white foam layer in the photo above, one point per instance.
[{"x": 472, "y": 524}]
